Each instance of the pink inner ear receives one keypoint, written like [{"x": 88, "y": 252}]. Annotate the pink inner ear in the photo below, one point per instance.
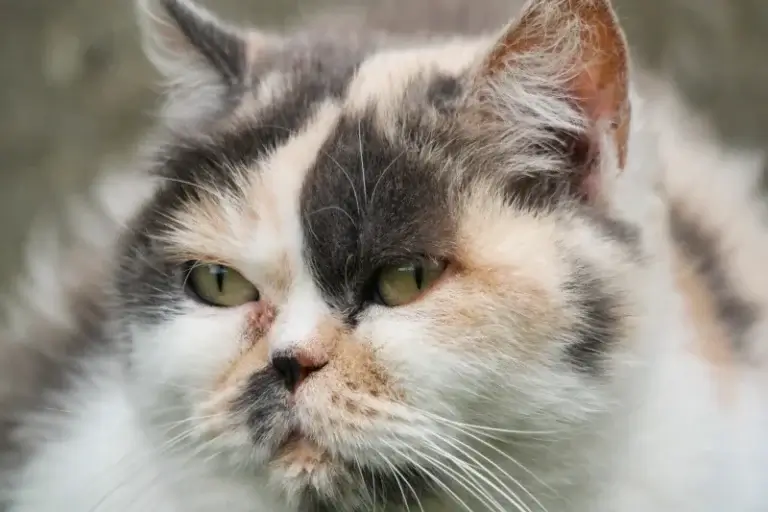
[
  {"x": 598, "y": 67},
  {"x": 601, "y": 83},
  {"x": 605, "y": 102}
]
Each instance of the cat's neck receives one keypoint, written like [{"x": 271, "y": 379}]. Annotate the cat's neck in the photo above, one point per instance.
[{"x": 668, "y": 406}]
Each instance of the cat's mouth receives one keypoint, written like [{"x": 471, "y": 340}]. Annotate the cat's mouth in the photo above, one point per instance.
[
  {"x": 325, "y": 480},
  {"x": 305, "y": 465},
  {"x": 300, "y": 449}
]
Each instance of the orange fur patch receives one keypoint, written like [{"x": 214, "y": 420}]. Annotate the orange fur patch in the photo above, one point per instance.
[
  {"x": 356, "y": 368},
  {"x": 711, "y": 341},
  {"x": 521, "y": 299},
  {"x": 508, "y": 275}
]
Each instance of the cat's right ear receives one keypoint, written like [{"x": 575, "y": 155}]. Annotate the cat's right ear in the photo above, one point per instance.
[{"x": 204, "y": 61}]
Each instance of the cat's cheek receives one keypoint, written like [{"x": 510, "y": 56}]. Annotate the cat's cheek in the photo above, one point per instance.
[
  {"x": 414, "y": 351},
  {"x": 189, "y": 351}
]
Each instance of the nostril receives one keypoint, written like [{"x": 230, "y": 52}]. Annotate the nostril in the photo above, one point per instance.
[
  {"x": 293, "y": 370},
  {"x": 289, "y": 370}
]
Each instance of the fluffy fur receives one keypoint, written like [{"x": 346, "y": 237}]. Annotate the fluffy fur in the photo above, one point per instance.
[{"x": 597, "y": 342}]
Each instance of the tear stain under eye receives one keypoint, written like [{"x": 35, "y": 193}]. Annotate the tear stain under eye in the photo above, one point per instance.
[{"x": 259, "y": 321}]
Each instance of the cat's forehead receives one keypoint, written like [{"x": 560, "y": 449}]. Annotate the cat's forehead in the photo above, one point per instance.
[
  {"x": 333, "y": 163},
  {"x": 394, "y": 92}
]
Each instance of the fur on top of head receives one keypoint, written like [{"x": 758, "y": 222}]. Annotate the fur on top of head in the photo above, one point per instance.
[{"x": 426, "y": 235}]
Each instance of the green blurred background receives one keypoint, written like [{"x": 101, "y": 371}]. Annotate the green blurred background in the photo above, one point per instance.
[{"x": 75, "y": 90}]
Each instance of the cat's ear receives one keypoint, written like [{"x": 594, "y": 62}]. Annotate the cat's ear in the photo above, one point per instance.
[
  {"x": 203, "y": 59},
  {"x": 559, "y": 73}
]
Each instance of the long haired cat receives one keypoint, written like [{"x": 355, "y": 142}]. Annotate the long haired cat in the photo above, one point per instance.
[{"x": 367, "y": 273}]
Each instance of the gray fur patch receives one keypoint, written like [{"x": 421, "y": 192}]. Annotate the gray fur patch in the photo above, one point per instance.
[
  {"x": 365, "y": 205},
  {"x": 735, "y": 312},
  {"x": 599, "y": 327},
  {"x": 222, "y": 49}
]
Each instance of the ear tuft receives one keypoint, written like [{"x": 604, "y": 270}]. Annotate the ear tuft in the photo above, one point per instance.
[{"x": 179, "y": 34}]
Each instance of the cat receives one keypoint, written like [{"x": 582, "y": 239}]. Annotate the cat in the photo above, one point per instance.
[{"x": 504, "y": 272}]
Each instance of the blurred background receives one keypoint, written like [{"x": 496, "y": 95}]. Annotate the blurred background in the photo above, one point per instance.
[{"x": 75, "y": 91}]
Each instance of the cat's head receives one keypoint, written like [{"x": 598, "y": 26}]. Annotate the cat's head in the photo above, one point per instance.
[{"x": 368, "y": 259}]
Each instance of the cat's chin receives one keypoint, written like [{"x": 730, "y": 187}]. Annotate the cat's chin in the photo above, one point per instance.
[
  {"x": 308, "y": 472},
  {"x": 299, "y": 453}
]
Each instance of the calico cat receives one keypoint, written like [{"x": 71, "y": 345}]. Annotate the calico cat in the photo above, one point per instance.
[{"x": 365, "y": 272}]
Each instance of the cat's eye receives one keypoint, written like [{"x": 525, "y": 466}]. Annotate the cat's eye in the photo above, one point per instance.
[
  {"x": 397, "y": 285},
  {"x": 219, "y": 285}
]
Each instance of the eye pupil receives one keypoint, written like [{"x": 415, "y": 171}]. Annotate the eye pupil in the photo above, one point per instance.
[
  {"x": 418, "y": 276},
  {"x": 219, "y": 272}
]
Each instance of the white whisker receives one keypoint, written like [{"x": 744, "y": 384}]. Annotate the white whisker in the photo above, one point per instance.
[
  {"x": 467, "y": 481},
  {"x": 362, "y": 162},
  {"x": 349, "y": 179},
  {"x": 338, "y": 209},
  {"x": 397, "y": 475},
  {"x": 509, "y": 458},
  {"x": 514, "y": 498},
  {"x": 383, "y": 173},
  {"x": 420, "y": 467}
]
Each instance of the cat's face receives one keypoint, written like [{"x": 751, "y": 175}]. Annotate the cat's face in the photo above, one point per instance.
[{"x": 354, "y": 274}]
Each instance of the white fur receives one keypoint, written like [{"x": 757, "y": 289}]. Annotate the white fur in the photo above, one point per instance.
[
  {"x": 303, "y": 311},
  {"x": 126, "y": 472}
]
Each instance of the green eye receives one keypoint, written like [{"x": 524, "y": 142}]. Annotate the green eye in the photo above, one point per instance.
[
  {"x": 397, "y": 285},
  {"x": 220, "y": 286}
]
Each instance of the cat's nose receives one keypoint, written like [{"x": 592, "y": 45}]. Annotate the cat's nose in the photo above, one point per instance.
[{"x": 294, "y": 368}]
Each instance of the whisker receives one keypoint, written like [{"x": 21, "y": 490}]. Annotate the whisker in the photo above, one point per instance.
[
  {"x": 397, "y": 476},
  {"x": 155, "y": 482},
  {"x": 514, "y": 499},
  {"x": 511, "y": 459},
  {"x": 420, "y": 467},
  {"x": 133, "y": 474},
  {"x": 473, "y": 470},
  {"x": 466, "y": 481},
  {"x": 381, "y": 176},
  {"x": 410, "y": 487},
  {"x": 164, "y": 448},
  {"x": 338, "y": 209},
  {"x": 466, "y": 429},
  {"x": 481, "y": 428},
  {"x": 349, "y": 179},
  {"x": 362, "y": 479},
  {"x": 362, "y": 162}
]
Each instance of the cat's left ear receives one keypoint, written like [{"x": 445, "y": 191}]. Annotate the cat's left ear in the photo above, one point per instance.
[
  {"x": 204, "y": 60},
  {"x": 557, "y": 79}
]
